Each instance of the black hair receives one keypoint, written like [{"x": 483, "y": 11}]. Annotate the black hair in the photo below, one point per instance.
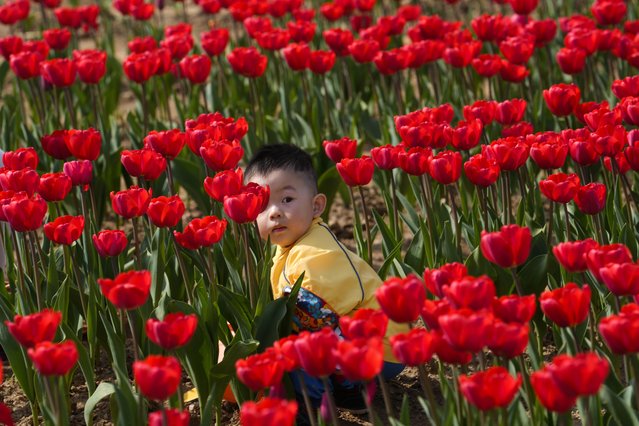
[{"x": 270, "y": 158}]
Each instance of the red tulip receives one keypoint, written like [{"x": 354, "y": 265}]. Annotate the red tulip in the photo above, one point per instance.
[
  {"x": 128, "y": 290},
  {"x": 523, "y": 7},
  {"x": 29, "y": 330},
  {"x": 247, "y": 61},
  {"x": 57, "y": 38},
  {"x": 360, "y": 359},
  {"x": 386, "y": 157},
  {"x": 80, "y": 172},
  {"x": 432, "y": 310},
  {"x": 562, "y": 99},
  {"x": 543, "y": 30},
  {"x": 622, "y": 279},
  {"x": 339, "y": 149},
  {"x": 221, "y": 155},
  {"x": 461, "y": 55},
  {"x": 301, "y": 31},
  {"x": 202, "y": 232},
  {"x": 84, "y": 144},
  {"x": 91, "y": 65},
  {"x": 297, "y": 56},
  {"x": 54, "y": 359},
  {"x": 510, "y": 153},
  {"x": 110, "y": 243},
  {"x": 268, "y": 411},
  {"x": 59, "y": 72},
  {"x": 286, "y": 348},
  {"x": 560, "y": 187},
  {"x": 214, "y": 41},
  {"x": 413, "y": 348},
  {"x": 509, "y": 340},
  {"x": 493, "y": 388},
  {"x": 600, "y": 256},
  {"x": 481, "y": 171},
  {"x": 132, "y": 202},
  {"x": 415, "y": 161},
  {"x": 474, "y": 293},
  {"x": 356, "y": 171},
  {"x": 224, "y": 183},
  {"x": 64, "y": 229},
  {"x": 445, "y": 167},
  {"x": 513, "y": 73},
  {"x": 482, "y": 110},
  {"x": 10, "y": 45},
  {"x": 196, "y": 68},
  {"x": 591, "y": 198},
  {"x": 179, "y": 45},
  {"x": 174, "y": 331},
  {"x": 69, "y": 17},
  {"x": 517, "y": 49},
  {"x": 401, "y": 299},
  {"x": 487, "y": 65},
  {"x": 144, "y": 163},
  {"x": 169, "y": 143},
  {"x": 364, "y": 324},
  {"x": 140, "y": 67},
  {"x": 566, "y": 306},
  {"x": 621, "y": 332},
  {"x": 166, "y": 212},
  {"x": 273, "y": 39},
  {"x": 261, "y": 371},
  {"x": 173, "y": 416},
  {"x": 625, "y": 87},
  {"x": 157, "y": 377},
  {"x": 449, "y": 354},
  {"x": 25, "y": 213},
  {"x": 466, "y": 330},
  {"x": 572, "y": 255},
  {"x": 25, "y": 65},
  {"x": 26, "y": 180},
  {"x": 54, "y": 186},
  {"x": 466, "y": 135},
  {"x": 338, "y": 40},
  {"x": 21, "y": 158},
  {"x": 437, "y": 279},
  {"x": 247, "y": 205},
  {"x": 609, "y": 12},
  {"x": 513, "y": 308},
  {"x": 579, "y": 375},
  {"x": 551, "y": 396},
  {"x": 321, "y": 61},
  {"x": 508, "y": 247},
  {"x": 364, "y": 50},
  {"x": 510, "y": 111},
  {"x": 316, "y": 352}
]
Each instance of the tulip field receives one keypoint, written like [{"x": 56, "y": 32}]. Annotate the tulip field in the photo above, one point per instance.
[{"x": 481, "y": 155}]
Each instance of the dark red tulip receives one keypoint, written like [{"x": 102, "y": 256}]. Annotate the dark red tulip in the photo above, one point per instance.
[
  {"x": 508, "y": 247},
  {"x": 91, "y": 65},
  {"x": 493, "y": 388},
  {"x": 316, "y": 352},
  {"x": 360, "y": 359},
  {"x": 513, "y": 73},
  {"x": 179, "y": 45},
  {"x": 402, "y": 299},
  {"x": 523, "y": 7},
  {"x": 338, "y": 40},
  {"x": 273, "y": 39},
  {"x": 144, "y": 163},
  {"x": 59, "y": 72},
  {"x": 551, "y": 396},
  {"x": 609, "y": 12},
  {"x": 571, "y": 60},
  {"x": 445, "y": 167},
  {"x": 543, "y": 30},
  {"x": 57, "y": 38},
  {"x": 110, "y": 243},
  {"x": 481, "y": 171},
  {"x": 202, "y": 232},
  {"x": 140, "y": 67},
  {"x": 467, "y": 330},
  {"x": 268, "y": 411},
  {"x": 55, "y": 144},
  {"x": 196, "y": 68},
  {"x": 29, "y": 330},
  {"x": 591, "y": 198},
  {"x": 224, "y": 183},
  {"x": 84, "y": 144},
  {"x": 174, "y": 331},
  {"x": 158, "y": 377},
  {"x": 562, "y": 99},
  {"x": 25, "y": 65},
  {"x": 221, "y": 155},
  {"x": 54, "y": 186},
  {"x": 579, "y": 375},
  {"x": 64, "y": 229},
  {"x": 80, "y": 171},
  {"x": 560, "y": 187},
  {"x": 247, "y": 61},
  {"x": 625, "y": 87},
  {"x": 364, "y": 50},
  {"x": 449, "y": 354},
  {"x": 128, "y": 290},
  {"x": 301, "y": 31},
  {"x": 413, "y": 348},
  {"x": 566, "y": 306},
  {"x": 321, "y": 61},
  {"x": 10, "y": 45},
  {"x": 363, "y": 324},
  {"x": 132, "y": 202},
  {"x": 415, "y": 161},
  {"x": 572, "y": 255},
  {"x": 630, "y": 110},
  {"x": 386, "y": 157},
  {"x": 356, "y": 171},
  {"x": 25, "y": 213},
  {"x": 523, "y": 128},
  {"x": 54, "y": 359},
  {"x": 69, "y": 17}
]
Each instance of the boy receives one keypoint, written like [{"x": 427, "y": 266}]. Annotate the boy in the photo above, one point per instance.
[{"x": 336, "y": 281}]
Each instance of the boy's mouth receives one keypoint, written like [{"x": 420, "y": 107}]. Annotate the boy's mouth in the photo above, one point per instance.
[{"x": 278, "y": 229}]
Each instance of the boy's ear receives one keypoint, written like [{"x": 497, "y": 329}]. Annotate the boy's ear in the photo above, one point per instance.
[{"x": 319, "y": 204}]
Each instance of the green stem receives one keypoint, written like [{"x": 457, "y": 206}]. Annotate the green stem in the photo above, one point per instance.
[{"x": 369, "y": 241}]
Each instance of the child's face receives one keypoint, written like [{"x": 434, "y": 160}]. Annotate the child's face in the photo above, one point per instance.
[{"x": 291, "y": 208}]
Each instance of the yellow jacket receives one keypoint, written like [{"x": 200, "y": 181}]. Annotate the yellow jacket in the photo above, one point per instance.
[{"x": 336, "y": 281}]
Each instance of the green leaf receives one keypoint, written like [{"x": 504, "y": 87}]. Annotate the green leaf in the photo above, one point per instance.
[
  {"x": 84, "y": 361},
  {"x": 533, "y": 276},
  {"x": 235, "y": 351},
  {"x": 103, "y": 390},
  {"x": 622, "y": 412}
]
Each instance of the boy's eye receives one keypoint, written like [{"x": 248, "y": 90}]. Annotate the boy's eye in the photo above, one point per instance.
[{"x": 287, "y": 199}]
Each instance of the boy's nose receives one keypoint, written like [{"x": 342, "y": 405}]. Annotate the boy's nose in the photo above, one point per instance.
[{"x": 274, "y": 212}]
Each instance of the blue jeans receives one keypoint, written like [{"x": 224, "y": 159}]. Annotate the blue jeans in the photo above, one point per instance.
[{"x": 315, "y": 387}]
